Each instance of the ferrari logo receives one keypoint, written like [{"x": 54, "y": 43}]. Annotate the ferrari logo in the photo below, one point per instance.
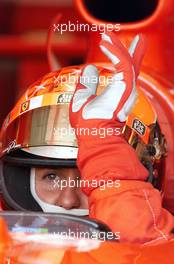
[{"x": 25, "y": 106}]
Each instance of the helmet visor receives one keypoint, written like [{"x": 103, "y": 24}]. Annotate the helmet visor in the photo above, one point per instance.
[{"x": 44, "y": 126}]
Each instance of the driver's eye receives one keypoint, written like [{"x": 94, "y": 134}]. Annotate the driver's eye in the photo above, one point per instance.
[{"x": 51, "y": 176}]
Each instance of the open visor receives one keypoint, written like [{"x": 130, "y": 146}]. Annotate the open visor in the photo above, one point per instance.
[{"x": 43, "y": 131}]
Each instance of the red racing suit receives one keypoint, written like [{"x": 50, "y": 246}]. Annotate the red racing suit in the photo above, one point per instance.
[{"x": 134, "y": 207}]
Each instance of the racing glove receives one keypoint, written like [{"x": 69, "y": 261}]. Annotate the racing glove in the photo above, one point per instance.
[{"x": 105, "y": 158}]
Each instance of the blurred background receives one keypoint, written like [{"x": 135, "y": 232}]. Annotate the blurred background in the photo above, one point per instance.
[{"x": 24, "y": 25}]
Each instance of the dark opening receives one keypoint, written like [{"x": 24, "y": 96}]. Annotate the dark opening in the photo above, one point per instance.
[{"x": 121, "y": 10}]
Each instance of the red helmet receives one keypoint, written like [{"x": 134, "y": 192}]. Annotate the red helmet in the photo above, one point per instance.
[{"x": 37, "y": 133}]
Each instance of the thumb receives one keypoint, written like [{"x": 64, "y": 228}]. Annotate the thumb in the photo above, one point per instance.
[{"x": 87, "y": 85}]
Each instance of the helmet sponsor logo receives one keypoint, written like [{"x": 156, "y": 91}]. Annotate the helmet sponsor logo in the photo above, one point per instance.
[
  {"x": 25, "y": 106},
  {"x": 64, "y": 98},
  {"x": 11, "y": 146},
  {"x": 23, "y": 229},
  {"x": 139, "y": 127}
]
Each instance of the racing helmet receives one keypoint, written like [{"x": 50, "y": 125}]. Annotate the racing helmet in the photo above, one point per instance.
[{"x": 37, "y": 133}]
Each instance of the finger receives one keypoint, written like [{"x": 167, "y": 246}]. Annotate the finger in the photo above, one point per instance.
[
  {"x": 89, "y": 78},
  {"x": 104, "y": 105},
  {"x": 137, "y": 50},
  {"x": 119, "y": 57},
  {"x": 106, "y": 37},
  {"x": 113, "y": 39},
  {"x": 109, "y": 53},
  {"x": 87, "y": 85},
  {"x": 127, "y": 107}
]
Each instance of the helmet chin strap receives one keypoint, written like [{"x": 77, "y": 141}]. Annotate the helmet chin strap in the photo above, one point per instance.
[{"x": 50, "y": 208}]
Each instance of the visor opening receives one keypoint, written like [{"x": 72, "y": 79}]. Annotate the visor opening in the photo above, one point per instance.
[{"x": 123, "y": 11}]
